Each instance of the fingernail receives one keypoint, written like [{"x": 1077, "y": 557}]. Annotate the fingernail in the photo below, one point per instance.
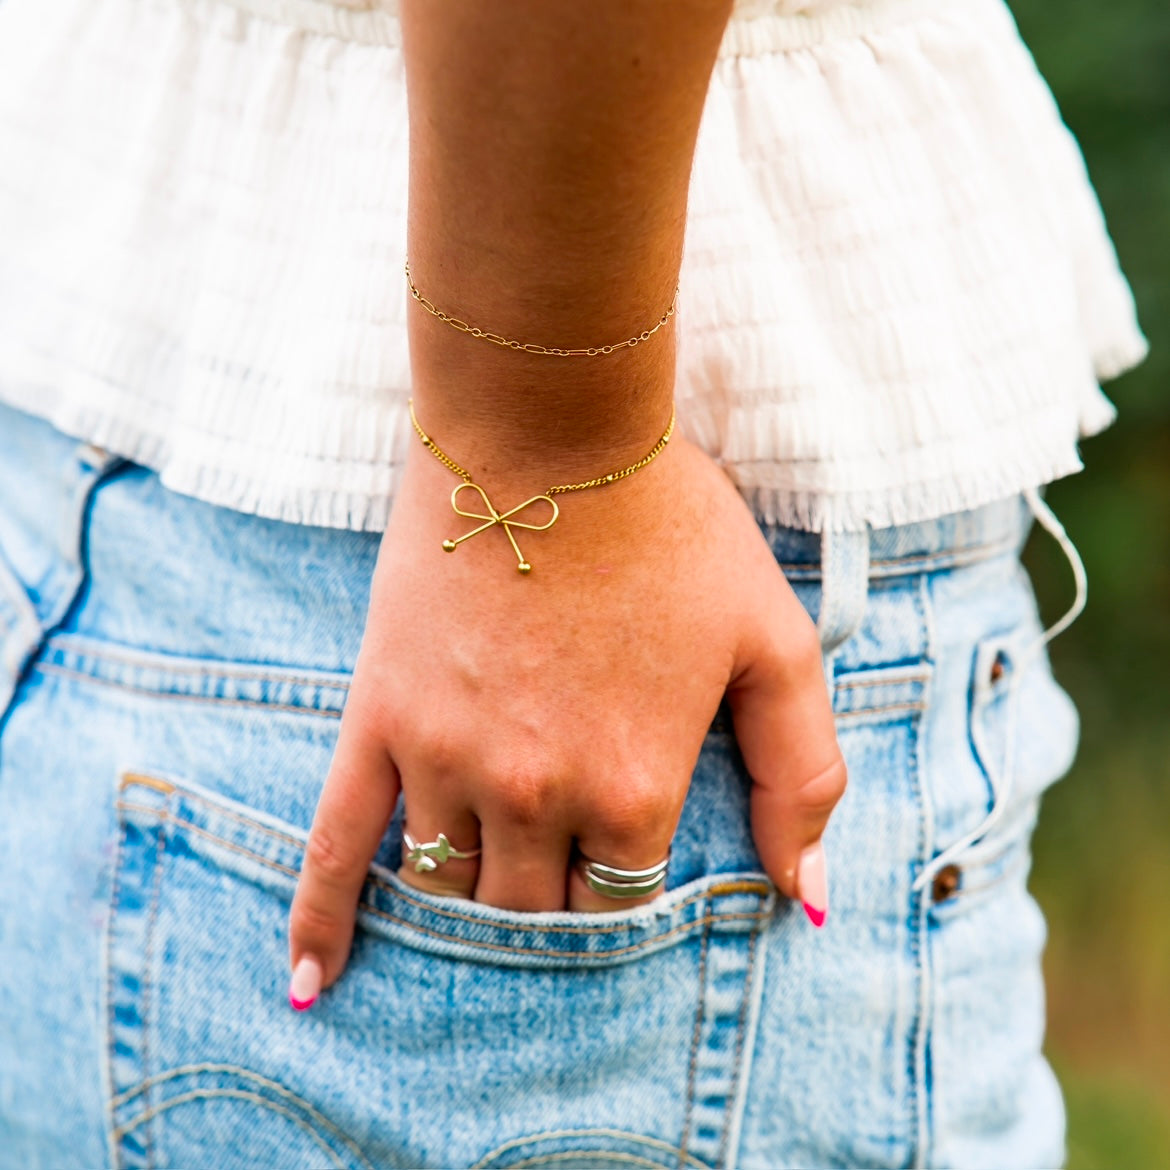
[
  {"x": 306, "y": 984},
  {"x": 813, "y": 885}
]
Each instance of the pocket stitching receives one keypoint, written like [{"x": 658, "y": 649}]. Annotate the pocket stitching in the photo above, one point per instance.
[
  {"x": 696, "y": 1037},
  {"x": 86, "y": 647},
  {"x": 864, "y": 694},
  {"x": 737, "y": 1061},
  {"x": 760, "y": 888},
  {"x": 863, "y": 712},
  {"x": 115, "y": 902},
  {"x": 245, "y": 1074},
  {"x": 242, "y": 1095},
  {"x": 163, "y": 815},
  {"x": 548, "y": 1135},
  {"x": 148, "y": 955},
  {"x": 479, "y": 944},
  {"x": 565, "y": 1155},
  {"x": 213, "y": 700},
  {"x": 847, "y": 682},
  {"x": 582, "y": 957},
  {"x": 745, "y": 887}
]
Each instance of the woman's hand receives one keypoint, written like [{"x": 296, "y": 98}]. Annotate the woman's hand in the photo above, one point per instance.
[{"x": 532, "y": 716}]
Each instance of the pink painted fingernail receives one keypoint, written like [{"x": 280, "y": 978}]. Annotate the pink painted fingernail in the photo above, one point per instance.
[
  {"x": 813, "y": 884},
  {"x": 306, "y": 984}
]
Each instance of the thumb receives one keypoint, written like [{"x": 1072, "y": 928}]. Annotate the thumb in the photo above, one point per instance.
[
  {"x": 784, "y": 726},
  {"x": 355, "y": 807}
]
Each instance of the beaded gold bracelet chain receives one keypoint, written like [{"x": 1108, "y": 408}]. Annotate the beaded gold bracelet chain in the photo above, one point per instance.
[
  {"x": 506, "y": 520},
  {"x": 531, "y": 346}
]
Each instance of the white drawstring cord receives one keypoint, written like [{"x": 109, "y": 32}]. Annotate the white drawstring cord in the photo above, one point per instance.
[
  {"x": 1048, "y": 520},
  {"x": 1002, "y": 790}
]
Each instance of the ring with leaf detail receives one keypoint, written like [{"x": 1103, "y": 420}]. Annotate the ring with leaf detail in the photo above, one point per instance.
[{"x": 429, "y": 855}]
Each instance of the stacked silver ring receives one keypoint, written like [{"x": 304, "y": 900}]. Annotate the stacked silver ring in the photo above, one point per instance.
[
  {"x": 608, "y": 880},
  {"x": 612, "y": 882}
]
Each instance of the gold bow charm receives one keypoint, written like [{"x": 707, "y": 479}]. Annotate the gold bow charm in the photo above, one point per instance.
[{"x": 503, "y": 519}]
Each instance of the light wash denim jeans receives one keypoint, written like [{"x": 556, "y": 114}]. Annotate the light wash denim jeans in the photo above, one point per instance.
[{"x": 171, "y": 677}]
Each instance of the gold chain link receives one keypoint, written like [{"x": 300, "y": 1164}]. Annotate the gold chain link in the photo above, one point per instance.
[
  {"x": 430, "y": 445},
  {"x": 531, "y": 346},
  {"x": 653, "y": 454},
  {"x": 559, "y": 489}
]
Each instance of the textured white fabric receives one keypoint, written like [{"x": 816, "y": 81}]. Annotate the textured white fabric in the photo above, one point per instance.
[{"x": 897, "y": 296}]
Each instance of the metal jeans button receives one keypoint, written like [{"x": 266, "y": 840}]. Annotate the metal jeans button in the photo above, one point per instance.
[{"x": 946, "y": 883}]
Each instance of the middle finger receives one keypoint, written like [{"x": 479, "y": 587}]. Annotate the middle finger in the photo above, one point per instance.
[
  {"x": 438, "y": 836},
  {"x": 524, "y": 866}
]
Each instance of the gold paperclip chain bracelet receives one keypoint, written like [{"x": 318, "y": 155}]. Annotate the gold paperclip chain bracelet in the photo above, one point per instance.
[
  {"x": 531, "y": 346},
  {"x": 505, "y": 519}
]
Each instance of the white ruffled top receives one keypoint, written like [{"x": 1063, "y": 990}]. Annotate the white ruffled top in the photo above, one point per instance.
[{"x": 897, "y": 300}]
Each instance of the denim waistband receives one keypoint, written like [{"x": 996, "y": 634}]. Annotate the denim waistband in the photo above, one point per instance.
[
  {"x": 844, "y": 563},
  {"x": 960, "y": 538},
  {"x": 46, "y": 479}
]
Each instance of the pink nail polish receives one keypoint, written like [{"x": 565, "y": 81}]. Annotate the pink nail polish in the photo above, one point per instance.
[
  {"x": 305, "y": 985},
  {"x": 813, "y": 884},
  {"x": 815, "y": 916}
]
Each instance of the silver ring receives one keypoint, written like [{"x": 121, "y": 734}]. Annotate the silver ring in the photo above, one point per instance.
[
  {"x": 429, "y": 855},
  {"x": 612, "y": 882}
]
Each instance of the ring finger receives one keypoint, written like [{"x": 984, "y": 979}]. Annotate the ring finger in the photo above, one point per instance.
[{"x": 608, "y": 875}]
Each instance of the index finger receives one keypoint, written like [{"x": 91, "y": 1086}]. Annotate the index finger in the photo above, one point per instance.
[{"x": 353, "y": 811}]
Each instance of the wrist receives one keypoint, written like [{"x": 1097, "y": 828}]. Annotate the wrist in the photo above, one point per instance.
[
  {"x": 577, "y": 426},
  {"x": 559, "y": 412},
  {"x": 596, "y": 529}
]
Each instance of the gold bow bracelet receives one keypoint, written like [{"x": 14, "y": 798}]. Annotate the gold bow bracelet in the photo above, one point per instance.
[{"x": 506, "y": 520}]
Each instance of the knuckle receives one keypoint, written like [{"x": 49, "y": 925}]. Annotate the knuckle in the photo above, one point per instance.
[
  {"x": 331, "y": 861},
  {"x": 633, "y": 809},
  {"x": 311, "y": 924},
  {"x": 526, "y": 795},
  {"x": 803, "y": 648},
  {"x": 375, "y": 706},
  {"x": 820, "y": 793},
  {"x": 791, "y": 652},
  {"x": 439, "y": 751}
]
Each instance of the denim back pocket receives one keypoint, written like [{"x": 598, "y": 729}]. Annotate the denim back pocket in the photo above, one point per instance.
[{"x": 460, "y": 1034}]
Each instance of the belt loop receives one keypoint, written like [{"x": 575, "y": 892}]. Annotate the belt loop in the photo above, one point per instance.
[
  {"x": 84, "y": 467},
  {"x": 844, "y": 586}
]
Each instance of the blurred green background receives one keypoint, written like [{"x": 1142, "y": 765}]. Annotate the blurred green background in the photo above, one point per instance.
[{"x": 1102, "y": 868}]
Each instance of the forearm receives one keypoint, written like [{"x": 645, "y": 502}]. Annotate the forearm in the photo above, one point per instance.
[{"x": 550, "y": 155}]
